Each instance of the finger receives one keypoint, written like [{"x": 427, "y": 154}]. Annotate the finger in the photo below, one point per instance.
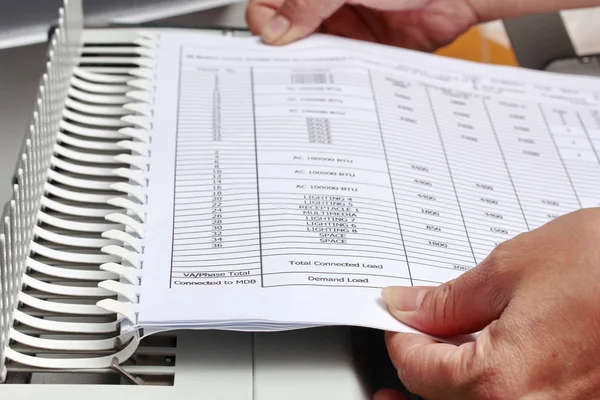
[
  {"x": 462, "y": 306},
  {"x": 294, "y": 19},
  {"x": 424, "y": 366},
  {"x": 259, "y": 12},
  {"x": 388, "y": 394}
]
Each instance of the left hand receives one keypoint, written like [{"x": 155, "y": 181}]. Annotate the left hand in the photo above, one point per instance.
[{"x": 415, "y": 24}]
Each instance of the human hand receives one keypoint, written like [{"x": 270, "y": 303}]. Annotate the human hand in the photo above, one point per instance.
[
  {"x": 415, "y": 24},
  {"x": 536, "y": 303}
]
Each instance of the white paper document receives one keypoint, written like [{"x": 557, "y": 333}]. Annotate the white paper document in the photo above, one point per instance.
[{"x": 289, "y": 185}]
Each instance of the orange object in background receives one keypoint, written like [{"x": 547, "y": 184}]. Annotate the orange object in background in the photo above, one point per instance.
[{"x": 474, "y": 46}]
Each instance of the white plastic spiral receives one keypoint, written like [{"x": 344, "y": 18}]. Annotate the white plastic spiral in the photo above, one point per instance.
[
  {"x": 73, "y": 231},
  {"x": 18, "y": 223},
  {"x": 129, "y": 267}
]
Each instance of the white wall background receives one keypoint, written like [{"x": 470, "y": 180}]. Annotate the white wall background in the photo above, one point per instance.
[
  {"x": 582, "y": 25},
  {"x": 27, "y": 21},
  {"x": 584, "y": 28}
]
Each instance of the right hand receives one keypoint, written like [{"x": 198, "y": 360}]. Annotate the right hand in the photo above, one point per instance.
[
  {"x": 415, "y": 24},
  {"x": 534, "y": 301}
]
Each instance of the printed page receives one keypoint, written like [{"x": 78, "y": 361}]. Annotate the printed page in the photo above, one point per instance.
[{"x": 290, "y": 185}]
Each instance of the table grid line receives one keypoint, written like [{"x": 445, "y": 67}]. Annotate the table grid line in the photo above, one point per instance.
[
  {"x": 544, "y": 117},
  {"x": 450, "y": 228},
  {"x": 439, "y": 131},
  {"x": 376, "y": 105},
  {"x": 493, "y": 127}
]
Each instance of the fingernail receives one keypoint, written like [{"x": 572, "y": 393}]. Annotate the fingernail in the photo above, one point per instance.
[
  {"x": 403, "y": 298},
  {"x": 276, "y": 28}
]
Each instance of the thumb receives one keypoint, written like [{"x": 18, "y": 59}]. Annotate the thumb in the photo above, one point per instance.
[
  {"x": 461, "y": 306},
  {"x": 296, "y": 19}
]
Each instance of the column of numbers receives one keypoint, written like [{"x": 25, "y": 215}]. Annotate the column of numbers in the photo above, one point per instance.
[
  {"x": 491, "y": 207},
  {"x": 573, "y": 142},
  {"x": 436, "y": 240},
  {"x": 542, "y": 184},
  {"x": 216, "y": 239}
]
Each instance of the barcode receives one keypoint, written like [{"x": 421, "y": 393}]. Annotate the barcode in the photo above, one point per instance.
[{"x": 309, "y": 78}]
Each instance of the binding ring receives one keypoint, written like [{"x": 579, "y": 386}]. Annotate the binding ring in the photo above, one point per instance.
[
  {"x": 136, "y": 154},
  {"x": 78, "y": 108},
  {"x": 21, "y": 215}
]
